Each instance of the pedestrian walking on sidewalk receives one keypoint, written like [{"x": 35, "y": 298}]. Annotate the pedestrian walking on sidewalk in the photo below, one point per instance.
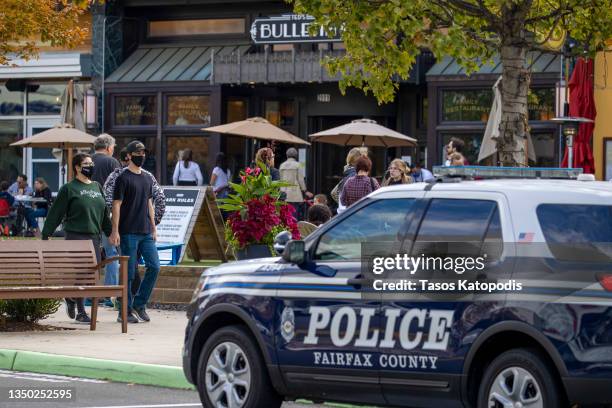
[
  {"x": 359, "y": 185},
  {"x": 80, "y": 203},
  {"x": 104, "y": 165},
  {"x": 187, "y": 172},
  {"x": 134, "y": 229},
  {"x": 292, "y": 172},
  {"x": 398, "y": 173}
]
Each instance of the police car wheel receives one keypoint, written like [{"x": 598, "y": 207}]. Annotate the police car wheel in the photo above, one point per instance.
[
  {"x": 232, "y": 373},
  {"x": 519, "y": 378}
]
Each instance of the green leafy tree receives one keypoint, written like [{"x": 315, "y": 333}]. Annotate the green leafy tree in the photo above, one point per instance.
[
  {"x": 384, "y": 37},
  {"x": 23, "y": 23}
]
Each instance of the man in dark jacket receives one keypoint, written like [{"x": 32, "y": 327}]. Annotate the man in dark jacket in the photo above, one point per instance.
[{"x": 104, "y": 165}]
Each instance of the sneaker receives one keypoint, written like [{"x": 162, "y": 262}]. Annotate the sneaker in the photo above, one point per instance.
[
  {"x": 130, "y": 318},
  {"x": 142, "y": 314},
  {"x": 87, "y": 302},
  {"x": 108, "y": 303},
  {"x": 70, "y": 305},
  {"x": 83, "y": 318}
]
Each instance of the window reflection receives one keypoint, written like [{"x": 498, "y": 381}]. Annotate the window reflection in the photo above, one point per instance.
[
  {"x": 45, "y": 99},
  {"x": 11, "y": 103},
  {"x": 11, "y": 158}
]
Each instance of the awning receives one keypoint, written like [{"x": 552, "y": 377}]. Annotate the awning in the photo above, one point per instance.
[
  {"x": 537, "y": 63},
  {"x": 49, "y": 65},
  {"x": 153, "y": 63}
]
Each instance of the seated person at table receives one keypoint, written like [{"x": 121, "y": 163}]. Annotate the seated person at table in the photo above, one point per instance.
[
  {"x": 6, "y": 204},
  {"x": 20, "y": 187},
  {"x": 39, "y": 209}
]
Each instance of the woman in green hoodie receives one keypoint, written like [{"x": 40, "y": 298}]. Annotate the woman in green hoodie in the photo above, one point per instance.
[{"x": 80, "y": 205}]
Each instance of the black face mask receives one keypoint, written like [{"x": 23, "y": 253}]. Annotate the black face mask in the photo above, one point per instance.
[
  {"x": 87, "y": 171},
  {"x": 138, "y": 160}
]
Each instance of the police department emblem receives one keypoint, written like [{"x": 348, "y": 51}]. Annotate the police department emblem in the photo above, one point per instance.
[{"x": 288, "y": 324}]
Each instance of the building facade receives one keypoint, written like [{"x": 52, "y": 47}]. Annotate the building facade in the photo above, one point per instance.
[{"x": 185, "y": 67}]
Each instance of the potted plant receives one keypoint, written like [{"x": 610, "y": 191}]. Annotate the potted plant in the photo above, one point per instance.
[{"x": 256, "y": 214}]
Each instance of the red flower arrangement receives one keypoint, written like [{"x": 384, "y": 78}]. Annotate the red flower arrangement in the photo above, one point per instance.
[{"x": 256, "y": 212}]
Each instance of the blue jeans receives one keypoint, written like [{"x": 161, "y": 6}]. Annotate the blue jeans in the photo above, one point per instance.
[
  {"x": 31, "y": 216},
  {"x": 131, "y": 244},
  {"x": 111, "y": 272}
]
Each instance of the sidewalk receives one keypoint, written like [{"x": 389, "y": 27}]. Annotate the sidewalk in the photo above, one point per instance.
[{"x": 150, "y": 353}]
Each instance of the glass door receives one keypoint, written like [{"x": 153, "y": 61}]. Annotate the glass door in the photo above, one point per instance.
[{"x": 42, "y": 162}]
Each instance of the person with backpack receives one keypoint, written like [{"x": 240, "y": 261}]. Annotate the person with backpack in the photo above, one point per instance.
[{"x": 360, "y": 185}]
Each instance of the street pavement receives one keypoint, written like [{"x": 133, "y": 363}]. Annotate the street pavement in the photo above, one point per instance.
[{"x": 100, "y": 394}]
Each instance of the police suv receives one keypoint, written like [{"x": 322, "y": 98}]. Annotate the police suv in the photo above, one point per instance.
[{"x": 298, "y": 326}]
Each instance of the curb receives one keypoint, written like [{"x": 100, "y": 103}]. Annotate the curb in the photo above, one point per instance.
[{"x": 84, "y": 367}]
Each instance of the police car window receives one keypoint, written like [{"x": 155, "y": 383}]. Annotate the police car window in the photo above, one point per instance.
[
  {"x": 577, "y": 232},
  {"x": 381, "y": 221},
  {"x": 456, "y": 220}
]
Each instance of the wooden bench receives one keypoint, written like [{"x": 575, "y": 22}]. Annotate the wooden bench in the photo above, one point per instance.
[{"x": 32, "y": 269}]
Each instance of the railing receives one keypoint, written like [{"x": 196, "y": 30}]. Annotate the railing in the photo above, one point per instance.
[{"x": 277, "y": 67}]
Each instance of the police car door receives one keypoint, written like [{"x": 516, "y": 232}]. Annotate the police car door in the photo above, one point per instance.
[
  {"x": 424, "y": 361},
  {"x": 328, "y": 338}
]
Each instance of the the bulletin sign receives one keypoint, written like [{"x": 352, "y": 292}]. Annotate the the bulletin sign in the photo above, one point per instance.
[
  {"x": 180, "y": 204},
  {"x": 289, "y": 28}
]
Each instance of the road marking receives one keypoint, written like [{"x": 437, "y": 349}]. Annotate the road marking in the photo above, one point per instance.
[
  {"x": 46, "y": 377},
  {"x": 150, "y": 406}
]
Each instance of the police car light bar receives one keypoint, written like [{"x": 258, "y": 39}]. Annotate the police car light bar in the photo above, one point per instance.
[{"x": 486, "y": 172}]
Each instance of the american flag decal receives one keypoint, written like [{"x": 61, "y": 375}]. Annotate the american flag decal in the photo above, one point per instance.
[{"x": 525, "y": 237}]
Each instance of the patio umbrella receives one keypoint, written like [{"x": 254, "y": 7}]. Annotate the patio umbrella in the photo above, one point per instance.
[
  {"x": 489, "y": 141},
  {"x": 363, "y": 132},
  {"x": 72, "y": 106},
  {"x": 257, "y": 128},
  {"x": 63, "y": 137},
  {"x": 582, "y": 104}
]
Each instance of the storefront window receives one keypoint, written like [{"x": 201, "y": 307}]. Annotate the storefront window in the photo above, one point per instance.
[
  {"x": 45, "y": 99},
  {"x": 188, "y": 110},
  {"x": 544, "y": 146},
  {"x": 541, "y": 103},
  {"x": 11, "y": 103},
  {"x": 11, "y": 158},
  {"x": 280, "y": 113},
  {"x": 199, "y": 149},
  {"x": 135, "y": 110},
  {"x": 466, "y": 106},
  {"x": 236, "y": 110}
]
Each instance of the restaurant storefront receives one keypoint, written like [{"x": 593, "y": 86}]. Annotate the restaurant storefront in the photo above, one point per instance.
[
  {"x": 460, "y": 106},
  {"x": 189, "y": 68}
]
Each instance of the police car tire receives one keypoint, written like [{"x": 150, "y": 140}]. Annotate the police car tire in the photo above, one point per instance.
[
  {"x": 532, "y": 361},
  {"x": 261, "y": 393}
]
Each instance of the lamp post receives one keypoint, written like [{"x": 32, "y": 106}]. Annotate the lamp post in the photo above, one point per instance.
[{"x": 570, "y": 129}]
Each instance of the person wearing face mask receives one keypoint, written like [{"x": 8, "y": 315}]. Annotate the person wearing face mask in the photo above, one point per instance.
[
  {"x": 80, "y": 204},
  {"x": 134, "y": 229},
  {"x": 397, "y": 173}
]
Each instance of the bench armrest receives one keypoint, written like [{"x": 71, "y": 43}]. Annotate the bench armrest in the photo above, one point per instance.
[{"x": 105, "y": 262}]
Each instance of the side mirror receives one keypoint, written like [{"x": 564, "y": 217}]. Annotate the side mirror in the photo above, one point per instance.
[
  {"x": 295, "y": 252},
  {"x": 280, "y": 241}
]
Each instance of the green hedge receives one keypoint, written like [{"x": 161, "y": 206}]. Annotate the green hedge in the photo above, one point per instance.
[{"x": 28, "y": 310}]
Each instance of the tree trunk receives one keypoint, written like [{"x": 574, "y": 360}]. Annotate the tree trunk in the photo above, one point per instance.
[{"x": 514, "y": 128}]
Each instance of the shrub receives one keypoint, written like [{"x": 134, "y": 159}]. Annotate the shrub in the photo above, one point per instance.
[{"x": 28, "y": 310}]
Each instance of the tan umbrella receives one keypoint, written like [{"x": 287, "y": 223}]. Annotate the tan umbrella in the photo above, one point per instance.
[
  {"x": 257, "y": 128},
  {"x": 63, "y": 137},
  {"x": 363, "y": 132}
]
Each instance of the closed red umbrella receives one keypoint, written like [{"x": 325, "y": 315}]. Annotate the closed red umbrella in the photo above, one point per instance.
[{"x": 582, "y": 104}]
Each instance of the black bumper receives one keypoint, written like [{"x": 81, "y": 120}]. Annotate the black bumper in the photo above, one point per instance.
[{"x": 589, "y": 390}]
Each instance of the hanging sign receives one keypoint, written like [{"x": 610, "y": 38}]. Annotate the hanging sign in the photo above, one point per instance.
[{"x": 289, "y": 28}]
